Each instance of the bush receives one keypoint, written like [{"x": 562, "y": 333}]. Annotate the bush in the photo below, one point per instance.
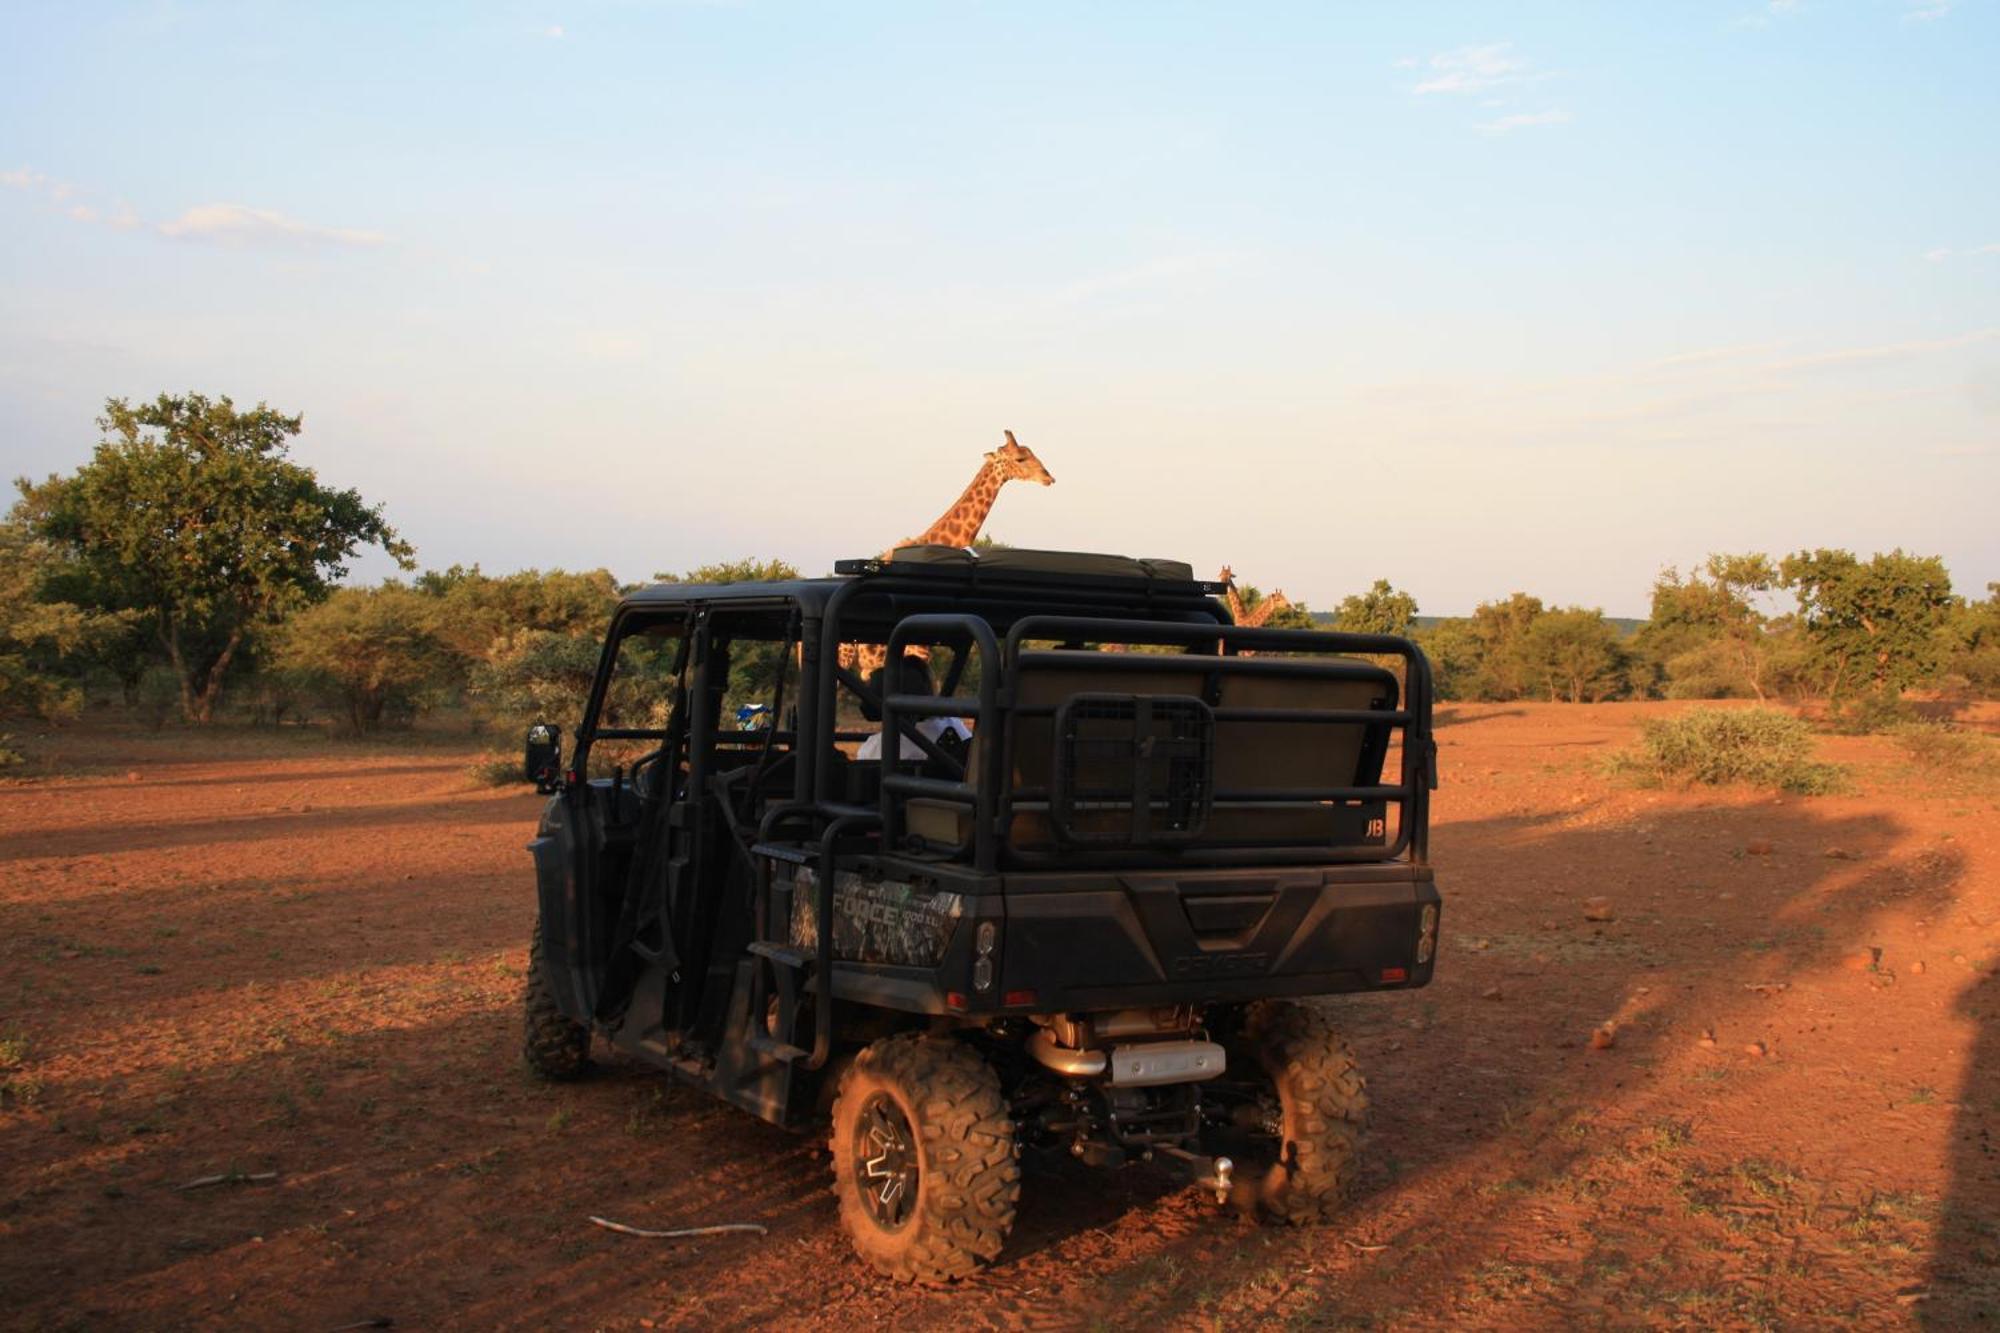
[
  {"x": 1713, "y": 746},
  {"x": 377, "y": 653},
  {"x": 498, "y": 770},
  {"x": 1938, "y": 748},
  {"x": 1870, "y": 712}
]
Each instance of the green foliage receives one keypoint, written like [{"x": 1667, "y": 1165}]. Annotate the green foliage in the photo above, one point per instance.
[
  {"x": 42, "y": 640},
  {"x": 747, "y": 570},
  {"x": 1501, "y": 631},
  {"x": 477, "y": 609},
  {"x": 1714, "y": 746},
  {"x": 1870, "y": 626},
  {"x": 537, "y": 674},
  {"x": 1576, "y": 654},
  {"x": 377, "y": 652},
  {"x": 191, "y": 514},
  {"x": 1453, "y": 649},
  {"x": 1969, "y": 647},
  {"x": 1520, "y": 649},
  {"x": 1706, "y": 638},
  {"x": 753, "y": 667},
  {"x": 1380, "y": 610},
  {"x": 1869, "y": 712}
]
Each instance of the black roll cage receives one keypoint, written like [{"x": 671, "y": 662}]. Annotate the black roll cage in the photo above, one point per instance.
[{"x": 1181, "y": 616}]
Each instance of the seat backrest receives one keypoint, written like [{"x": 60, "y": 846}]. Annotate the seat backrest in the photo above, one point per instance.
[{"x": 1249, "y": 755}]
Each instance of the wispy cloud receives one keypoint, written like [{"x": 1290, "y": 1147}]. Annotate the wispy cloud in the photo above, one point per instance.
[
  {"x": 238, "y": 225},
  {"x": 1923, "y": 11},
  {"x": 554, "y": 32},
  {"x": 1711, "y": 356},
  {"x": 234, "y": 225},
  {"x": 1523, "y": 120},
  {"x": 1944, "y": 252},
  {"x": 1847, "y": 356},
  {"x": 1474, "y": 69},
  {"x": 59, "y": 195},
  {"x": 1774, "y": 9},
  {"x": 1489, "y": 76}
]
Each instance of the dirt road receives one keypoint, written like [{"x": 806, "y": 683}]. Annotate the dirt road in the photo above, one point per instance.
[{"x": 304, "y": 959}]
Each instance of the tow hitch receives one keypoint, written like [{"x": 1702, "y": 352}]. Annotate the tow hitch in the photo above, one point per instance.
[{"x": 1211, "y": 1173}]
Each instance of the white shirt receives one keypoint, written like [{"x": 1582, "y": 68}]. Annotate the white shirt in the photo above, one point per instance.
[{"x": 931, "y": 728}]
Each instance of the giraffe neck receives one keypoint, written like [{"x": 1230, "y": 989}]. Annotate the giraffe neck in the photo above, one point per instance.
[
  {"x": 1235, "y": 602},
  {"x": 961, "y": 523}
]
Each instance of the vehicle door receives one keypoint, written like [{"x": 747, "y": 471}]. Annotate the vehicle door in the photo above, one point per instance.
[{"x": 629, "y": 755}]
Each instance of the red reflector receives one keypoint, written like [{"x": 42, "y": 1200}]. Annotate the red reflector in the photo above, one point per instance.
[
  {"x": 1394, "y": 974},
  {"x": 1018, "y": 997},
  {"x": 954, "y": 1000}
]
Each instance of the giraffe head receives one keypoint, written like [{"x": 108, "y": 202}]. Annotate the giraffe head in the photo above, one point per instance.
[
  {"x": 1228, "y": 575},
  {"x": 1017, "y": 462}
]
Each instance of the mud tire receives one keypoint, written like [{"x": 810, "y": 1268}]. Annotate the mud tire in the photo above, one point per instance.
[
  {"x": 1323, "y": 1103},
  {"x": 968, "y": 1178},
  {"x": 556, "y": 1047}
]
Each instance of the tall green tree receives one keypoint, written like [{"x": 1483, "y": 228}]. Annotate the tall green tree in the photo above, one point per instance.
[
  {"x": 1454, "y": 651},
  {"x": 1870, "y": 624},
  {"x": 1576, "y": 654},
  {"x": 192, "y": 514},
  {"x": 1971, "y": 645},
  {"x": 1707, "y": 635},
  {"x": 1380, "y": 610},
  {"x": 1501, "y": 628},
  {"x": 43, "y": 641}
]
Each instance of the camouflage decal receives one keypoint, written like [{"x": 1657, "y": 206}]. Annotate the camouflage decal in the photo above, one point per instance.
[{"x": 878, "y": 920}]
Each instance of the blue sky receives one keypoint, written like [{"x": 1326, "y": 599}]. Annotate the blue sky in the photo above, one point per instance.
[{"x": 1473, "y": 297}]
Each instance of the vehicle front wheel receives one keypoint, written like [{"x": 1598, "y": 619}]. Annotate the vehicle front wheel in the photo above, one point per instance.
[
  {"x": 1296, "y": 1133},
  {"x": 557, "y": 1048},
  {"x": 923, "y": 1158}
]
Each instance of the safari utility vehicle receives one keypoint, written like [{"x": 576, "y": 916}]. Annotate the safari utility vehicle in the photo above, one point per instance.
[{"x": 1088, "y": 916}]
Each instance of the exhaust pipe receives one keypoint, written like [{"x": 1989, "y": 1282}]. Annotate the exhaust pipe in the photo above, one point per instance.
[{"x": 1065, "y": 1060}]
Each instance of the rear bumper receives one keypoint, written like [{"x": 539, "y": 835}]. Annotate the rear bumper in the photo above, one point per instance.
[{"x": 1084, "y": 942}]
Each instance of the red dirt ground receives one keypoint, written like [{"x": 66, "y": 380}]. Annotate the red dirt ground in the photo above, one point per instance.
[{"x": 229, "y": 954}]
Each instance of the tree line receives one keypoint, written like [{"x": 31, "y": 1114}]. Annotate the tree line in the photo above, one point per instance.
[{"x": 193, "y": 559}]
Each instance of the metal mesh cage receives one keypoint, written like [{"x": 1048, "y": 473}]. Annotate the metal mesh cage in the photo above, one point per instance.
[{"x": 1135, "y": 769}]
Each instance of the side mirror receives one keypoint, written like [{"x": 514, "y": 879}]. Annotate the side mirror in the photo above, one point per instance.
[{"x": 542, "y": 760}]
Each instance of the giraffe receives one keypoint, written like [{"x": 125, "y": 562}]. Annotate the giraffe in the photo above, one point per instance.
[
  {"x": 1251, "y": 617},
  {"x": 959, "y": 525},
  {"x": 1248, "y": 617}
]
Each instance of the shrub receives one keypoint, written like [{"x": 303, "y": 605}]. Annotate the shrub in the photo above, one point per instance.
[
  {"x": 377, "y": 652},
  {"x": 1870, "y": 712},
  {"x": 1714, "y": 746},
  {"x": 1938, "y": 748},
  {"x": 498, "y": 770}
]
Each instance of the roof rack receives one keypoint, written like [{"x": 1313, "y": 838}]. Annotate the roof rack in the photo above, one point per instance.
[{"x": 1018, "y": 562}]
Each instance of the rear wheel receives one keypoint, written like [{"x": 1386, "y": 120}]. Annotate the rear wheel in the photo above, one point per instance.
[
  {"x": 1295, "y": 1134},
  {"x": 556, "y": 1047},
  {"x": 923, "y": 1159}
]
